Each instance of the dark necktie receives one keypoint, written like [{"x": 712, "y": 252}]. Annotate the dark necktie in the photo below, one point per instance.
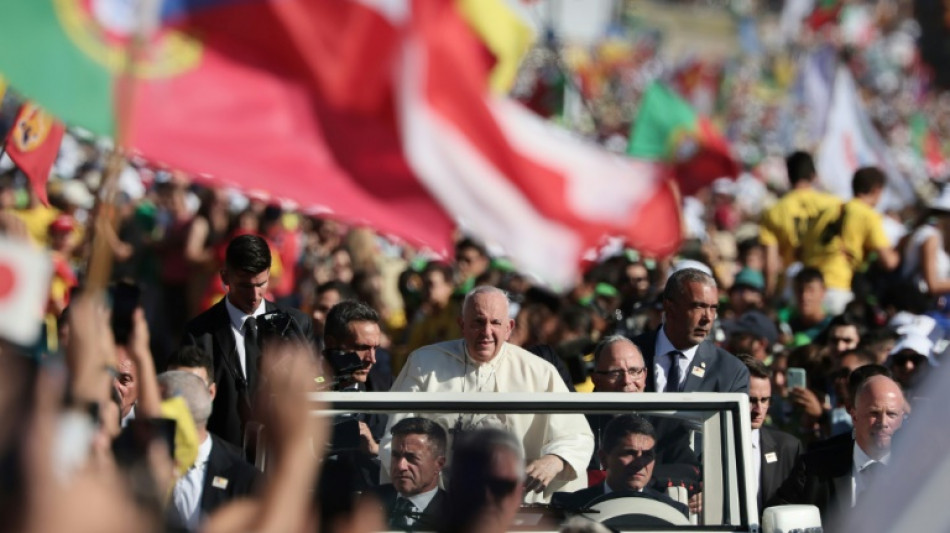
[
  {"x": 251, "y": 351},
  {"x": 673, "y": 377},
  {"x": 400, "y": 515}
]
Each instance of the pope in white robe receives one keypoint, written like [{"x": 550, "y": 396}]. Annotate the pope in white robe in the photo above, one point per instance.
[{"x": 557, "y": 447}]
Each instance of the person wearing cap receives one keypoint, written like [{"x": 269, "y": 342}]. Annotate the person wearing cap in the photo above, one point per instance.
[
  {"x": 753, "y": 333},
  {"x": 747, "y": 291},
  {"x": 838, "y": 242},
  {"x": 911, "y": 360},
  {"x": 925, "y": 262}
]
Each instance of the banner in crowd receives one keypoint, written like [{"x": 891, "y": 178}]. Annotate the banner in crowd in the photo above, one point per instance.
[
  {"x": 32, "y": 143},
  {"x": 851, "y": 142},
  {"x": 24, "y": 286},
  {"x": 367, "y": 109},
  {"x": 667, "y": 129}
]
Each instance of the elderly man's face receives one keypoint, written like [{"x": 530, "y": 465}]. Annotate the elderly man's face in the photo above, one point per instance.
[
  {"x": 630, "y": 462},
  {"x": 125, "y": 382},
  {"x": 485, "y": 325},
  {"x": 620, "y": 368},
  {"x": 877, "y": 414},
  {"x": 415, "y": 464},
  {"x": 690, "y": 315}
]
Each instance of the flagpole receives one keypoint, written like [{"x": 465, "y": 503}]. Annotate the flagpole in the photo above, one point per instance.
[{"x": 99, "y": 267}]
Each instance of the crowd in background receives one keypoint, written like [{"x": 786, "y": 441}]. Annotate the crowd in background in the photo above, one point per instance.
[{"x": 172, "y": 230}]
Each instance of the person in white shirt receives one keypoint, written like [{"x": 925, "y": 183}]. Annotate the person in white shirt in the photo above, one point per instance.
[
  {"x": 218, "y": 474},
  {"x": 557, "y": 447}
]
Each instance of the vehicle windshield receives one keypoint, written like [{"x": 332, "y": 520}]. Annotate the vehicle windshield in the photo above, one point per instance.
[{"x": 650, "y": 461}]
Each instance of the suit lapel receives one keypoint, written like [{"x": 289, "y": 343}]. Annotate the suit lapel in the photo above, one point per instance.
[
  {"x": 218, "y": 463},
  {"x": 702, "y": 358},
  {"x": 224, "y": 337},
  {"x": 648, "y": 351},
  {"x": 767, "y": 468}
]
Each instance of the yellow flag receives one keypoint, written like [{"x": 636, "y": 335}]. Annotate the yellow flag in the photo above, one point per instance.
[
  {"x": 186, "y": 434},
  {"x": 505, "y": 34}
]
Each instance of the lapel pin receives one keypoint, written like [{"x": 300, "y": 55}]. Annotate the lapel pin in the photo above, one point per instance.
[
  {"x": 699, "y": 371},
  {"x": 219, "y": 482},
  {"x": 771, "y": 457}
]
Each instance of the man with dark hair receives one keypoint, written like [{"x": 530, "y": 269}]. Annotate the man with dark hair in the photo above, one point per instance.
[
  {"x": 837, "y": 242},
  {"x": 438, "y": 315},
  {"x": 774, "y": 452},
  {"x": 678, "y": 356},
  {"x": 414, "y": 499},
  {"x": 473, "y": 261},
  {"x": 808, "y": 318},
  {"x": 327, "y": 295},
  {"x": 784, "y": 224},
  {"x": 196, "y": 361},
  {"x": 353, "y": 328},
  {"x": 753, "y": 333},
  {"x": 629, "y": 451},
  {"x": 842, "y": 334},
  {"x": 229, "y": 331}
]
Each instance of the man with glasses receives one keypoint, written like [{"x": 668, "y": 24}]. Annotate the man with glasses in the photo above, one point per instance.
[
  {"x": 774, "y": 452},
  {"x": 678, "y": 356},
  {"x": 629, "y": 451}
]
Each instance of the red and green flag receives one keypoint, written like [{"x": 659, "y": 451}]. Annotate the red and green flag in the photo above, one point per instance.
[
  {"x": 927, "y": 145},
  {"x": 667, "y": 128},
  {"x": 33, "y": 144}
]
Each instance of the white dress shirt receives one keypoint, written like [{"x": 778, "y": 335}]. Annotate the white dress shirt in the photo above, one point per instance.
[
  {"x": 662, "y": 360},
  {"x": 859, "y": 481},
  {"x": 185, "y": 510},
  {"x": 420, "y": 502},
  {"x": 237, "y": 328}
]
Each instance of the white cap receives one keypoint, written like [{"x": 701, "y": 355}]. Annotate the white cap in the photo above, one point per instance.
[{"x": 916, "y": 343}]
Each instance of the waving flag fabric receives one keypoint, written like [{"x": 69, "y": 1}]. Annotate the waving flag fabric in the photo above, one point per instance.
[
  {"x": 33, "y": 143},
  {"x": 377, "y": 110},
  {"x": 666, "y": 128}
]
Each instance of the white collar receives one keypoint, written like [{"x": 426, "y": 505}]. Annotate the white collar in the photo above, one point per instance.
[
  {"x": 756, "y": 439},
  {"x": 238, "y": 317},
  {"x": 422, "y": 500},
  {"x": 862, "y": 460},
  {"x": 204, "y": 452},
  {"x": 664, "y": 346}
]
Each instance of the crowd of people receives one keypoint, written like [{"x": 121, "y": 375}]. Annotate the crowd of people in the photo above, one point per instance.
[{"x": 194, "y": 414}]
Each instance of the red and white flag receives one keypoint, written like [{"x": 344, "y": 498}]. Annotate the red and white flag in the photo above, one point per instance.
[
  {"x": 506, "y": 175},
  {"x": 24, "y": 287}
]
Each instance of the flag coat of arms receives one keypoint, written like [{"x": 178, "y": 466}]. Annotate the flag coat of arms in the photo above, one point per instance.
[{"x": 375, "y": 112}]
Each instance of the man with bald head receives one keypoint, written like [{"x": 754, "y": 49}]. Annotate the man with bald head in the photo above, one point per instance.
[
  {"x": 557, "y": 447},
  {"x": 835, "y": 473}
]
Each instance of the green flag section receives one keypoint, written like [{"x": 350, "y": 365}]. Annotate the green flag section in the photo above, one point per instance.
[
  {"x": 666, "y": 128},
  {"x": 48, "y": 64}
]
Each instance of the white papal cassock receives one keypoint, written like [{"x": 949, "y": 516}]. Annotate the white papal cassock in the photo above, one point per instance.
[{"x": 446, "y": 367}]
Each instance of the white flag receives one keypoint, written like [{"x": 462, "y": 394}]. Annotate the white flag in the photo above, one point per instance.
[
  {"x": 851, "y": 142},
  {"x": 24, "y": 288}
]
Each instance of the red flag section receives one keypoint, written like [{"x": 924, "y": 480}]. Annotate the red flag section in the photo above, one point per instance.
[{"x": 33, "y": 144}]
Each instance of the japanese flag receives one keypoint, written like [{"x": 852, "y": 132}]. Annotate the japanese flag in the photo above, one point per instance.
[{"x": 24, "y": 288}]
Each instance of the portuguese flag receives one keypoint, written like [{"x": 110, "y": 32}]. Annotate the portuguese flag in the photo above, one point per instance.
[
  {"x": 227, "y": 89},
  {"x": 667, "y": 128}
]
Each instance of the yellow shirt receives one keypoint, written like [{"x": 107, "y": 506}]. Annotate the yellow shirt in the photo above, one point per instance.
[
  {"x": 839, "y": 242},
  {"x": 37, "y": 220},
  {"x": 786, "y": 223}
]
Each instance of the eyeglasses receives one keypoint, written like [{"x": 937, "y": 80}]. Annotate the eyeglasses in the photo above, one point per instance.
[{"x": 618, "y": 374}]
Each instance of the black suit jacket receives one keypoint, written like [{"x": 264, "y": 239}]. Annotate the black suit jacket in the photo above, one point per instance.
[
  {"x": 232, "y": 403},
  {"x": 585, "y": 498},
  {"x": 821, "y": 477},
  {"x": 775, "y": 469},
  {"x": 723, "y": 372},
  {"x": 235, "y": 477},
  {"x": 431, "y": 518}
]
